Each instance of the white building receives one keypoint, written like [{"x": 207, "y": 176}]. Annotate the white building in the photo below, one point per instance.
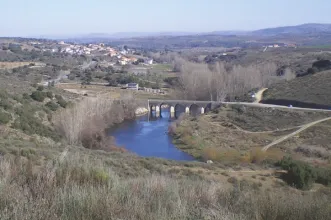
[
  {"x": 134, "y": 86},
  {"x": 149, "y": 61}
]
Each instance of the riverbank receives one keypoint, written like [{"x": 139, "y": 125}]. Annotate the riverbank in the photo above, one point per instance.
[
  {"x": 238, "y": 133},
  {"x": 147, "y": 137}
]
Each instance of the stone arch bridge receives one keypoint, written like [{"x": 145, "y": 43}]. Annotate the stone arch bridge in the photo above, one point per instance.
[{"x": 187, "y": 106}]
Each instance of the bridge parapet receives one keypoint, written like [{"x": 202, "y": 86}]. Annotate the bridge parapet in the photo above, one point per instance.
[{"x": 203, "y": 106}]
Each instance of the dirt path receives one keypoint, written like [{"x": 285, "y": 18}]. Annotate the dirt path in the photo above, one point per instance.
[
  {"x": 254, "y": 132},
  {"x": 294, "y": 133},
  {"x": 259, "y": 95}
]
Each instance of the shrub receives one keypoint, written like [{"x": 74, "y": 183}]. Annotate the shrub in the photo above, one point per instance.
[
  {"x": 29, "y": 124},
  {"x": 323, "y": 176},
  {"x": 38, "y": 96},
  {"x": 5, "y": 117},
  {"x": 26, "y": 96},
  {"x": 299, "y": 174},
  {"x": 4, "y": 94},
  {"x": 52, "y": 106},
  {"x": 40, "y": 88},
  {"x": 62, "y": 103},
  {"x": 5, "y": 104},
  {"x": 256, "y": 155},
  {"x": 49, "y": 94}
]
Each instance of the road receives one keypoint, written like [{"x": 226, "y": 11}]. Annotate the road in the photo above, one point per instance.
[
  {"x": 284, "y": 138},
  {"x": 261, "y": 105},
  {"x": 259, "y": 95}
]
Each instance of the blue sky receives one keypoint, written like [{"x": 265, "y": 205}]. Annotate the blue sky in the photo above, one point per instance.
[{"x": 74, "y": 17}]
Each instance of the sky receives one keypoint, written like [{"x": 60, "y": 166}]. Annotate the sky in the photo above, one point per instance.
[{"x": 76, "y": 17}]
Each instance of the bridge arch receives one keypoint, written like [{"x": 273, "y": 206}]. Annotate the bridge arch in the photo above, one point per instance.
[
  {"x": 167, "y": 108},
  {"x": 179, "y": 109},
  {"x": 208, "y": 108},
  {"x": 195, "y": 110}
]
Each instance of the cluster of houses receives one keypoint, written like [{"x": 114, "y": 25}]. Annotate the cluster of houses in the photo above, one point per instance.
[
  {"x": 122, "y": 56},
  {"x": 86, "y": 50}
]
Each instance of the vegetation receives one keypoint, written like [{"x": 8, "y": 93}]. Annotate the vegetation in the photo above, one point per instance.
[
  {"x": 52, "y": 106},
  {"x": 5, "y": 117},
  {"x": 77, "y": 187},
  {"x": 85, "y": 122},
  {"x": 302, "y": 175},
  {"x": 57, "y": 162},
  {"x": 38, "y": 96},
  {"x": 308, "y": 91}
]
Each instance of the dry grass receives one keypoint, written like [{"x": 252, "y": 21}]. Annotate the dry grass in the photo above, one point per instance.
[
  {"x": 236, "y": 130},
  {"x": 75, "y": 187},
  {"x": 311, "y": 89},
  {"x": 255, "y": 155},
  {"x": 12, "y": 65}
]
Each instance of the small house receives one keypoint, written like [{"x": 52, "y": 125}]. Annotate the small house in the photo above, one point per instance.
[{"x": 134, "y": 86}]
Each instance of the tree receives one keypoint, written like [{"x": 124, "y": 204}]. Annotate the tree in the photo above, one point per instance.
[
  {"x": 87, "y": 79},
  {"x": 38, "y": 96},
  {"x": 289, "y": 75}
]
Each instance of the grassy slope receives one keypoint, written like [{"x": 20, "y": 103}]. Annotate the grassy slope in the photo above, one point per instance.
[
  {"x": 45, "y": 179},
  {"x": 308, "y": 89},
  {"x": 78, "y": 186},
  {"x": 244, "y": 128}
]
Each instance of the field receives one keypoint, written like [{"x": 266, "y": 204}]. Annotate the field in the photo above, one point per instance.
[
  {"x": 12, "y": 65},
  {"x": 108, "y": 91}
]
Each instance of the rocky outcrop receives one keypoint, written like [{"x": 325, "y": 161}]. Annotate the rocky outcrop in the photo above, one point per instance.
[{"x": 141, "y": 111}]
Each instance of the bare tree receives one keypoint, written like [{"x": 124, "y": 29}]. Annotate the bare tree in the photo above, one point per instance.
[{"x": 288, "y": 74}]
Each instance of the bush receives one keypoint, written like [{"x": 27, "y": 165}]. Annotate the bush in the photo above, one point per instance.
[
  {"x": 58, "y": 97},
  {"x": 26, "y": 96},
  {"x": 5, "y": 104},
  {"x": 323, "y": 176},
  {"x": 62, "y": 103},
  {"x": 5, "y": 117},
  {"x": 52, "y": 106},
  {"x": 40, "y": 88},
  {"x": 38, "y": 96},
  {"x": 29, "y": 124},
  {"x": 299, "y": 174},
  {"x": 49, "y": 94}
]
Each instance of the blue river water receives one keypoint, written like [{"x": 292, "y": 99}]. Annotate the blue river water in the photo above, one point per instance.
[{"x": 147, "y": 137}]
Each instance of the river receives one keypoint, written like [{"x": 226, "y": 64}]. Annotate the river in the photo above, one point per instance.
[{"x": 147, "y": 137}]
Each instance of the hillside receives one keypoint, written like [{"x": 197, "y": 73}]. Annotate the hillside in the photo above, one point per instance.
[
  {"x": 308, "y": 91},
  {"x": 229, "y": 132},
  {"x": 303, "y": 29}
]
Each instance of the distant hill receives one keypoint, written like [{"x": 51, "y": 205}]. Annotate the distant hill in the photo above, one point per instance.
[
  {"x": 312, "y": 28},
  {"x": 308, "y": 91}
]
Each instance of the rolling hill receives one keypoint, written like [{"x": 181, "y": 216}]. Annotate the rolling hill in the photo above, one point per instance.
[
  {"x": 311, "y": 28},
  {"x": 308, "y": 91}
]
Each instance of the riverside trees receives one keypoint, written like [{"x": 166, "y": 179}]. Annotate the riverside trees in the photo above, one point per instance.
[{"x": 216, "y": 82}]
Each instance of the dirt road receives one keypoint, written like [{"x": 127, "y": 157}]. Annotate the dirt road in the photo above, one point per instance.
[
  {"x": 259, "y": 95},
  {"x": 294, "y": 133}
]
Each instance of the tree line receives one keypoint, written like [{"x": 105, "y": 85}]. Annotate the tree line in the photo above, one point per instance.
[{"x": 223, "y": 81}]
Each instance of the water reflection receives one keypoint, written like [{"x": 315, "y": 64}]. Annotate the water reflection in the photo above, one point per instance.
[{"x": 147, "y": 136}]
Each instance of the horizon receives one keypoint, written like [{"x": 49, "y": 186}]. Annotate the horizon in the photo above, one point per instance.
[{"x": 74, "y": 18}]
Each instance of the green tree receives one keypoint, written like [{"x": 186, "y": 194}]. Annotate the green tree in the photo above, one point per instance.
[
  {"x": 38, "y": 96},
  {"x": 87, "y": 79}
]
